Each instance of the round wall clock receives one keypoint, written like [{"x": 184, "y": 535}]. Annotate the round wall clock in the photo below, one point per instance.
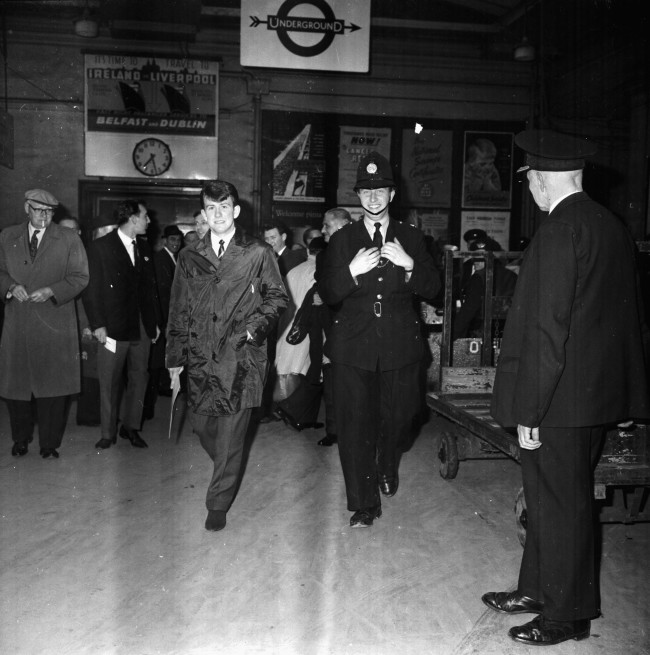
[{"x": 152, "y": 157}]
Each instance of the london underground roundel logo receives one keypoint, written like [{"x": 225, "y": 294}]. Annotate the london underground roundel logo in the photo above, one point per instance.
[{"x": 329, "y": 26}]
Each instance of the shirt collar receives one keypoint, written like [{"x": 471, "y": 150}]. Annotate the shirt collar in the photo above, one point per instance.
[
  {"x": 214, "y": 239},
  {"x": 560, "y": 199},
  {"x": 370, "y": 226}
]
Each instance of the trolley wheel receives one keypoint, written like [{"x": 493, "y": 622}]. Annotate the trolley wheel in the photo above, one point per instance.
[
  {"x": 521, "y": 516},
  {"x": 448, "y": 456}
]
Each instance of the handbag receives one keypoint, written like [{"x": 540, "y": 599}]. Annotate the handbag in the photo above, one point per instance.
[{"x": 301, "y": 321}]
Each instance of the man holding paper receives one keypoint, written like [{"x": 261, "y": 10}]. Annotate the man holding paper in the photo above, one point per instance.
[
  {"x": 121, "y": 302},
  {"x": 226, "y": 298}
]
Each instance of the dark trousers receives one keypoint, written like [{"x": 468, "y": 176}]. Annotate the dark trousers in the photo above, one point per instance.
[
  {"x": 51, "y": 416},
  {"x": 374, "y": 413},
  {"x": 558, "y": 566},
  {"x": 110, "y": 367},
  {"x": 222, "y": 437}
]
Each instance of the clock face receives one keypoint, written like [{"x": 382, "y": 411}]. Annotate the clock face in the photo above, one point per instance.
[{"x": 152, "y": 157}]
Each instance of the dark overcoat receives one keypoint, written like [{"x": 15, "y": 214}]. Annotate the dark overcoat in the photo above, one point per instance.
[
  {"x": 165, "y": 269},
  {"x": 359, "y": 336},
  {"x": 39, "y": 351},
  {"x": 571, "y": 353},
  {"x": 119, "y": 294},
  {"x": 214, "y": 305}
]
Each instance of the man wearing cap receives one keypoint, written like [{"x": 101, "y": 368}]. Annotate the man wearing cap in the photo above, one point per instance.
[
  {"x": 571, "y": 364},
  {"x": 124, "y": 314},
  {"x": 42, "y": 268},
  {"x": 164, "y": 261},
  {"x": 373, "y": 268}
]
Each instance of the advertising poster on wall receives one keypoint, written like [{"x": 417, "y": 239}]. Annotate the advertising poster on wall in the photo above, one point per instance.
[
  {"x": 487, "y": 170},
  {"x": 433, "y": 222},
  {"x": 426, "y": 168},
  {"x": 298, "y": 161},
  {"x": 354, "y": 143},
  {"x": 151, "y": 117},
  {"x": 495, "y": 224}
]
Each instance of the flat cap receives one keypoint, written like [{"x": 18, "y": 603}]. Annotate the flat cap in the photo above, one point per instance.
[
  {"x": 42, "y": 196},
  {"x": 547, "y": 150},
  {"x": 473, "y": 235},
  {"x": 374, "y": 172},
  {"x": 172, "y": 230}
]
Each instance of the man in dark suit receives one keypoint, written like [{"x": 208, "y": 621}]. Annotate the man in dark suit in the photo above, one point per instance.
[
  {"x": 124, "y": 314},
  {"x": 43, "y": 267},
  {"x": 276, "y": 235},
  {"x": 372, "y": 270},
  {"x": 164, "y": 261},
  {"x": 571, "y": 364}
]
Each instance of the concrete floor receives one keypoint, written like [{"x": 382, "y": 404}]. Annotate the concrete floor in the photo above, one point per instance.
[{"x": 105, "y": 553}]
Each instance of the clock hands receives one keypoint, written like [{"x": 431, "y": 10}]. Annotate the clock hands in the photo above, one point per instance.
[{"x": 152, "y": 161}]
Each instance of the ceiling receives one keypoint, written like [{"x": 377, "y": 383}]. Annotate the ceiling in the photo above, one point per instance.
[{"x": 564, "y": 28}]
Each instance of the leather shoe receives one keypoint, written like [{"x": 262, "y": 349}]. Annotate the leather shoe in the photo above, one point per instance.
[
  {"x": 328, "y": 440},
  {"x": 19, "y": 449},
  {"x": 388, "y": 484},
  {"x": 49, "y": 452},
  {"x": 363, "y": 518},
  {"x": 512, "y": 603},
  {"x": 132, "y": 435},
  {"x": 105, "y": 443},
  {"x": 216, "y": 520},
  {"x": 545, "y": 632}
]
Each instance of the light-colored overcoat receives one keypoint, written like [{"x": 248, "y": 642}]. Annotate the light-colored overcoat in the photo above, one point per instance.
[{"x": 39, "y": 349}]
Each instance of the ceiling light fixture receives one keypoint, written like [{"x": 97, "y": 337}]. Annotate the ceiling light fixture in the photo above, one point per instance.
[
  {"x": 86, "y": 26},
  {"x": 525, "y": 51}
]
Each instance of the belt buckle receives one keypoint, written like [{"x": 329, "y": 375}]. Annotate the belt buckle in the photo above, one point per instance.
[{"x": 377, "y": 309}]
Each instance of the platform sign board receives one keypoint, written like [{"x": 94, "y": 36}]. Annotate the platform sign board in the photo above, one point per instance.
[
  {"x": 151, "y": 117},
  {"x": 331, "y": 35}
]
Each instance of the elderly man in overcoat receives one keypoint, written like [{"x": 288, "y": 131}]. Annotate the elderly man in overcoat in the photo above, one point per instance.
[
  {"x": 226, "y": 298},
  {"x": 43, "y": 267},
  {"x": 571, "y": 364}
]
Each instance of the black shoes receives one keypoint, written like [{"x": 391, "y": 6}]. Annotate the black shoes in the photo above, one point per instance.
[
  {"x": 105, "y": 443},
  {"x": 19, "y": 449},
  {"x": 363, "y": 518},
  {"x": 299, "y": 427},
  {"x": 49, "y": 452},
  {"x": 388, "y": 484},
  {"x": 132, "y": 435},
  {"x": 544, "y": 632},
  {"x": 216, "y": 520},
  {"x": 328, "y": 440},
  {"x": 512, "y": 603}
]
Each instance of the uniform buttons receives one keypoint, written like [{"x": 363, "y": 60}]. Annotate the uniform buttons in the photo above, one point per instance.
[
  {"x": 381, "y": 279},
  {"x": 379, "y": 296}
]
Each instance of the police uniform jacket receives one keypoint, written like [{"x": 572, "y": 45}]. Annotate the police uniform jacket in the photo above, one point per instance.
[
  {"x": 572, "y": 354},
  {"x": 39, "y": 351},
  {"x": 375, "y": 322}
]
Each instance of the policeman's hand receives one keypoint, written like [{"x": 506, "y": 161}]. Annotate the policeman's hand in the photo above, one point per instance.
[
  {"x": 394, "y": 252},
  {"x": 175, "y": 375},
  {"x": 100, "y": 334},
  {"x": 20, "y": 293},
  {"x": 365, "y": 260},
  {"x": 317, "y": 300},
  {"x": 528, "y": 437},
  {"x": 41, "y": 295}
]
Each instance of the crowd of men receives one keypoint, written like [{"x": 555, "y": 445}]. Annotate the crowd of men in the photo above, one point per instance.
[{"x": 571, "y": 361}]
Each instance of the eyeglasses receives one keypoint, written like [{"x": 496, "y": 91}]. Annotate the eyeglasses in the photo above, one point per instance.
[{"x": 41, "y": 210}]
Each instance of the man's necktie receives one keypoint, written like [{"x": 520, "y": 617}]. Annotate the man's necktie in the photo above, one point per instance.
[
  {"x": 221, "y": 249},
  {"x": 33, "y": 245},
  {"x": 377, "y": 241},
  {"x": 136, "y": 254}
]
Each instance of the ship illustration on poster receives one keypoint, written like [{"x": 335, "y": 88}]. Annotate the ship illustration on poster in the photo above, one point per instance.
[
  {"x": 297, "y": 177},
  {"x": 133, "y": 101},
  {"x": 177, "y": 100}
]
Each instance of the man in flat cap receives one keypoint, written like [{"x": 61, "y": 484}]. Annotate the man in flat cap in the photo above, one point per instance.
[
  {"x": 42, "y": 268},
  {"x": 373, "y": 268},
  {"x": 571, "y": 364}
]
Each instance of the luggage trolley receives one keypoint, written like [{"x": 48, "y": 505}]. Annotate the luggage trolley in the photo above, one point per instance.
[{"x": 462, "y": 391}]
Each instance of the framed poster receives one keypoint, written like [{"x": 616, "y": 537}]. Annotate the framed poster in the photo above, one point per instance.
[
  {"x": 151, "y": 117},
  {"x": 487, "y": 170},
  {"x": 495, "y": 224},
  {"x": 354, "y": 144},
  {"x": 426, "y": 168}
]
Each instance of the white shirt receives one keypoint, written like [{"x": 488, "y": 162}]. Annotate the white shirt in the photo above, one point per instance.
[
  {"x": 39, "y": 236},
  {"x": 227, "y": 238},
  {"x": 170, "y": 253},
  {"x": 128, "y": 244},
  {"x": 370, "y": 226}
]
